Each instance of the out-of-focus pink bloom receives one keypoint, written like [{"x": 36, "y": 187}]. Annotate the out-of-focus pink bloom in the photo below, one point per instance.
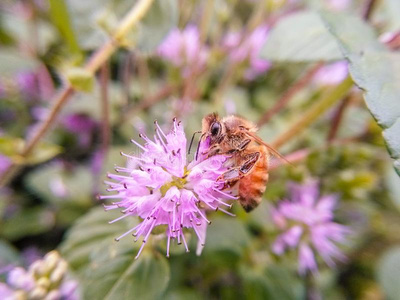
[
  {"x": 247, "y": 49},
  {"x": 161, "y": 188},
  {"x": 45, "y": 279},
  {"x": 184, "y": 49},
  {"x": 5, "y": 162},
  {"x": 339, "y": 4},
  {"x": 307, "y": 225},
  {"x": 30, "y": 255},
  {"x": 332, "y": 74},
  {"x": 28, "y": 85},
  {"x": 82, "y": 125}
]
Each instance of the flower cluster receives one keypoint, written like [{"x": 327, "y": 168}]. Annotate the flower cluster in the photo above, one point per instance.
[
  {"x": 184, "y": 48},
  {"x": 247, "y": 49},
  {"x": 161, "y": 188},
  {"x": 308, "y": 226},
  {"x": 45, "y": 279}
]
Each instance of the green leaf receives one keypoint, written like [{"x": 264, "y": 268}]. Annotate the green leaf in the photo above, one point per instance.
[
  {"x": 80, "y": 79},
  {"x": 276, "y": 282},
  {"x": 161, "y": 18},
  {"x": 57, "y": 185},
  {"x": 12, "y": 147},
  {"x": 43, "y": 152},
  {"x": 17, "y": 26},
  {"x": 60, "y": 17},
  {"x": 95, "y": 20},
  {"x": 91, "y": 231},
  {"x": 301, "y": 37},
  {"x": 388, "y": 272},
  {"x": 228, "y": 235},
  {"x": 8, "y": 254},
  {"x": 375, "y": 70},
  {"x": 30, "y": 221},
  {"x": 115, "y": 274}
]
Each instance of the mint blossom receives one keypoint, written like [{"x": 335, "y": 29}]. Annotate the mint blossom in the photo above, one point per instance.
[
  {"x": 184, "y": 49},
  {"x": 307, "y": 225},
  {"x": 332, "y": 74},
  {"x": 45, "y": 279},
  {"x": 161, "y": 188},
  {"x": 246, "y": 49}
]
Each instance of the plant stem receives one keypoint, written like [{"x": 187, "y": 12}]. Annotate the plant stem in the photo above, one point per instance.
[
  {"x": 337, "y": 118},
  {"x": 288, "y": 95},
  {"x": 136, "y": 13},
  {"x": 314, "y": 112},
  {"x": 105, "y": 109}
]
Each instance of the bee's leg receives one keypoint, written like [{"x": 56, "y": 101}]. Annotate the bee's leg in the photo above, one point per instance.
[
  {"x": 214, "y": 150},
  {"x": 243, "y": 145},
  {"x": 252, "y": 158},
  {"x": 236, "y": 173}
]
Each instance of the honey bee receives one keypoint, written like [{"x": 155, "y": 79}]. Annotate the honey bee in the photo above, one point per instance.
[{"x": 250, "y": 155}]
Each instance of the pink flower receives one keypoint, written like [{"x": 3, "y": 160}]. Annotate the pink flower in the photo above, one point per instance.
[
  {"x": 247, "y": 49},
  {"x": 161, "y": 188},
  {"x": 307, "y": 225},
  {"x": 339, "y": 5},
  {"x": 332, "y": 74},
  {"x": 184, "y": 48},
  {"x": 82, "y": 126}
]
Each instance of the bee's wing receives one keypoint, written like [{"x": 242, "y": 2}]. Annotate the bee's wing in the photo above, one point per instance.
[{"x": 273, "y": 151}]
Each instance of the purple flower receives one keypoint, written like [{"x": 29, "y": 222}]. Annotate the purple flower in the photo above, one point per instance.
[
  {"x": 184, "y": 48},
  {"x": 5, "y": 162},
  {"x": 28, "y": 85},
  {"x": 332, "y": 74},
  {"x": 81, "y": 125},
  {"x": 45, "y": 279},
  {"x": 307, "y": 225},
  {"x": 161, "y": 188},
  {"x": 247, "y": 49},
  {"x": 339, "y": 4}
]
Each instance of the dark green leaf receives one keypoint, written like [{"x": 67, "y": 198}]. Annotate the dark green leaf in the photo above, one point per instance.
[
  {"x": 226, "y": 234},
  {"x": 276, "y": 282},
  {"x": 91, "y": 231},
  {"x": 373, "y": 69},
  {"x": 115, "y": 274},
  {"x": 27, "y": 222},
  {"x": 58, "y": 185},
  {"x": 8, "y": 254},
  {"x": 300, "y": 37}
]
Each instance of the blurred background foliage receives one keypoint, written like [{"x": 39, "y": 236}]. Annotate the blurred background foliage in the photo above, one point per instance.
[{"x": 50, "y": 203}]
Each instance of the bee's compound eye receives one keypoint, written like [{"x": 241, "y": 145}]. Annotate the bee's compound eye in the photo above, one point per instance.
[{"x": 215, "y": 128}]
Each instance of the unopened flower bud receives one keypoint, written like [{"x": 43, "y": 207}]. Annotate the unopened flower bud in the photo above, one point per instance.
[
  {"x": 43, "y": 282},
  {"x": 51, "y": 260},
  {"x": 53, "y": 295},
  {"x": 38, "y": 293}
]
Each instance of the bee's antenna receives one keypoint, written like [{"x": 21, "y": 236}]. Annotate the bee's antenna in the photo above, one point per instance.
[
  {"x": 198, "y": 146},
  {"x": 191, "y": 141}
]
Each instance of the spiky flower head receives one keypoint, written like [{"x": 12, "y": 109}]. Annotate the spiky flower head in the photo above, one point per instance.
[
  {"x": 162, "y": 188},
  {"x": 45, "y": 279},
  {"x": 307, "y": 224}
]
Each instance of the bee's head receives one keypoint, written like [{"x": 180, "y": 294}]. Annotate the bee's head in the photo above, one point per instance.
[{"x": 212, "y": 127}]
